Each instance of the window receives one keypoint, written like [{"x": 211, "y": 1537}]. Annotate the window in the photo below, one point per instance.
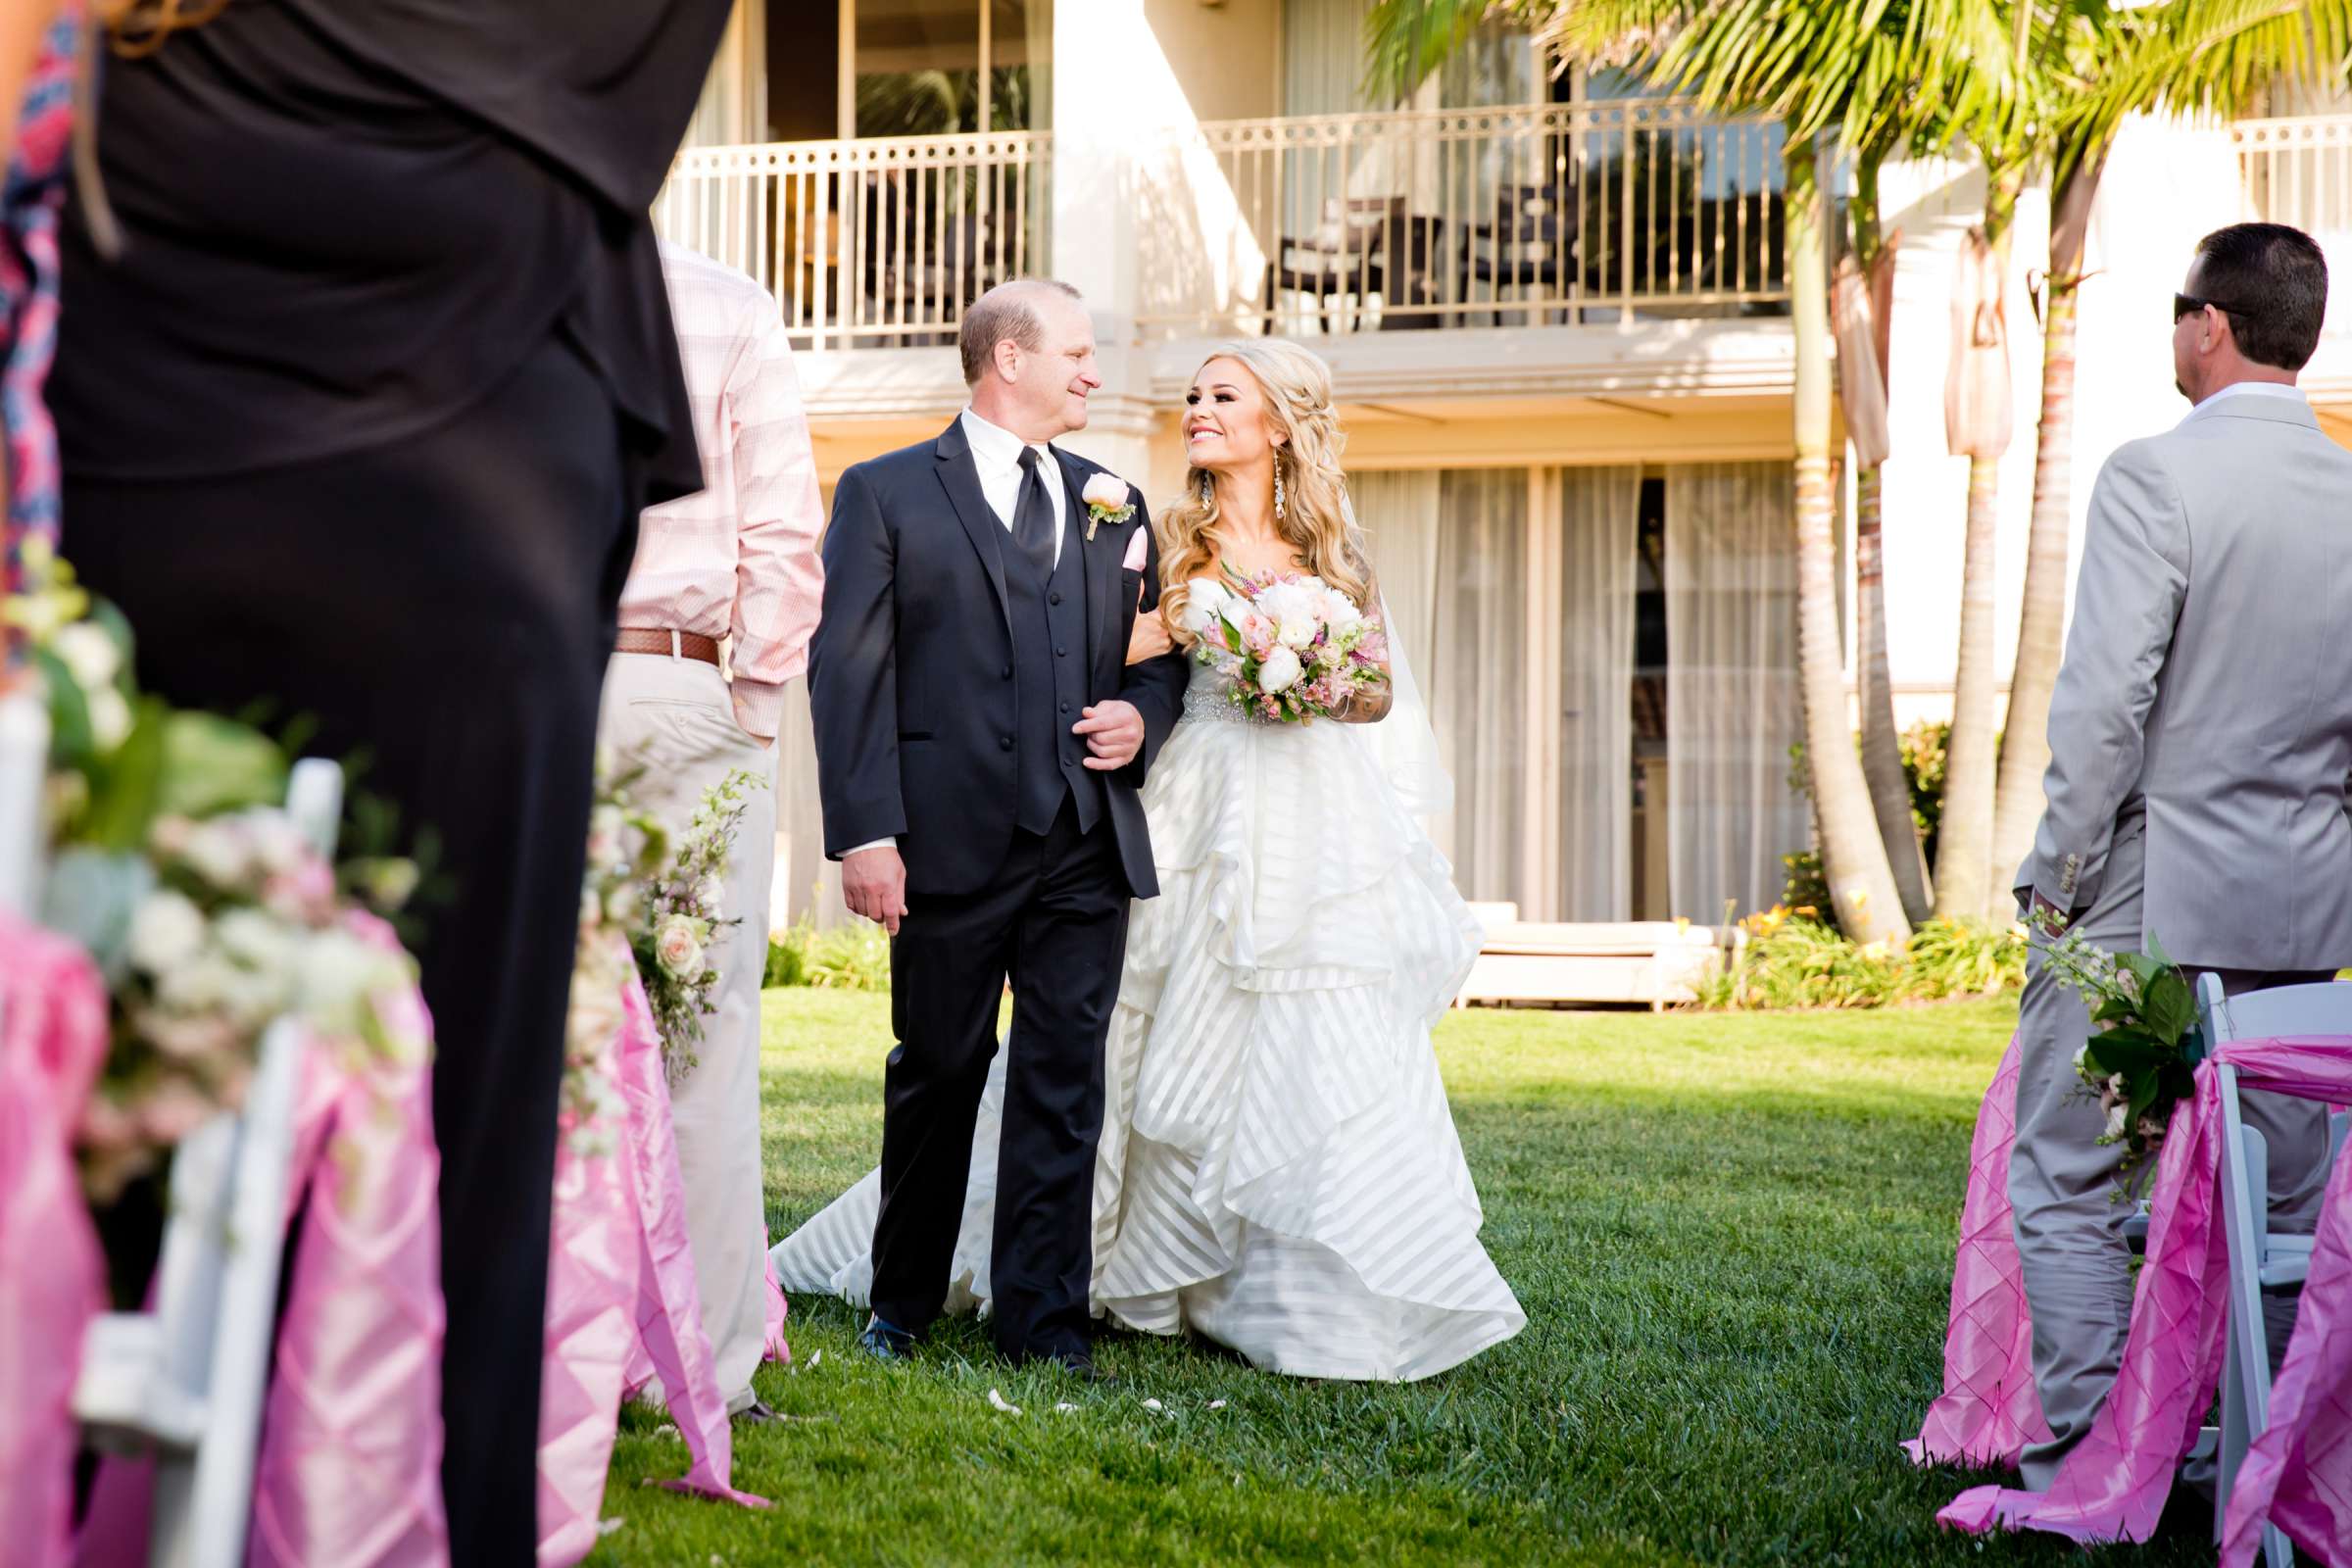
[{"x": 927, "y": 67}]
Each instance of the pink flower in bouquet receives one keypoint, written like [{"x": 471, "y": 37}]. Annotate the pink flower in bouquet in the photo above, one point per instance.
[
  {"x": 304, "y": 894},
  {"x": 1257, "y": 633}
]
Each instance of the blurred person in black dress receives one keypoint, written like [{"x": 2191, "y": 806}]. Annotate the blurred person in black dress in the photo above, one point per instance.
[{"x": 356, "y": 420}]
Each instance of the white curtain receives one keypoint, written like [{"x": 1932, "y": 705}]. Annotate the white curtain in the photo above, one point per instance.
[
  {"x": 1450, "y": 550},
  {"x": 1323, "y": 56},
  {"x": 1599, "y": 518},
  {"x": 733, "y": 107},
  {"x": 1731, "y": 699}
]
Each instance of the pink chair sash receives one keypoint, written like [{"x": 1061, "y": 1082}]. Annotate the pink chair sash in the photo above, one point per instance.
[
  {"x": 1990, "y": 1409},
  {"x": 53, "y": 1041},
  {"x": 350, "y": 1464},
  {"x": 621, "y": 1285},
  {"x": 2114, "y": 1484}
]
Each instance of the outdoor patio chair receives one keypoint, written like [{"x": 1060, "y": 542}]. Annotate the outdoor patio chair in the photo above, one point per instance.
[
  {"x": 1347, "y": 254},
  {"x": 184, "y": 1379},
  {"x": 1527, "y": 250},
  {"x": 2260, "y": 1263}
]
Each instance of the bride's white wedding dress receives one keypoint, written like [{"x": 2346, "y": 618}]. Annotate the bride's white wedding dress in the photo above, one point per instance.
[{"x": 1279, "y": 1171}]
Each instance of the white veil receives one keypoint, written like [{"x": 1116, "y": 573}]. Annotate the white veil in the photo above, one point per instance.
[{"x": 1405, "y": 744}]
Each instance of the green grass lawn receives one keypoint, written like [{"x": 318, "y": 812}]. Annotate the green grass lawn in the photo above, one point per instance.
[{"x": 1733, "y": 1236}]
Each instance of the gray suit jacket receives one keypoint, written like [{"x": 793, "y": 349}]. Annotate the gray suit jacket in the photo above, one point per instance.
[{"x": 2208, "y": 684}]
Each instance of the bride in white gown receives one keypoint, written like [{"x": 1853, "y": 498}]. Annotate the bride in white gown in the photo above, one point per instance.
[{"x": 1278, "y": 1169}]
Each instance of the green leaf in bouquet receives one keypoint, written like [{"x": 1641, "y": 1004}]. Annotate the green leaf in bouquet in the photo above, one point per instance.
[
  {"x": 126, "y": 791},
  {"x": 2117, "y": 1010},
  {"x": 214, "y": 764},
  {"x": 2128, "y": 1050},
  {"x": 91, "y": 896},
  {"x": 2168, "y": 1007},
  {"x": 72, "y": 744},
  {"x": 2145, "y": 1089}
]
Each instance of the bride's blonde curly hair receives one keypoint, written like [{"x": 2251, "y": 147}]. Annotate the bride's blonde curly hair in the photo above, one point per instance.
[
  {"x": 1316, "y": 520},
  {"x": 141, "y": 26}
]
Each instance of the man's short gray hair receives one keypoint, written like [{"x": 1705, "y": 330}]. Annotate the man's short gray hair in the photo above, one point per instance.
[{"x": 1008, "y": 311}]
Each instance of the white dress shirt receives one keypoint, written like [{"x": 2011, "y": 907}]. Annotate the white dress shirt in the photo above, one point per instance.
[
  {"x": 996, "y": 459},
  {"x": 2235, "y": 389}
]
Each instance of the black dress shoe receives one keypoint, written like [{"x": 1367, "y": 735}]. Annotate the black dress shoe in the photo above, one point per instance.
[
  {"x": 1081, "y": 1367},
  {"x": 886, "y": 1341}
]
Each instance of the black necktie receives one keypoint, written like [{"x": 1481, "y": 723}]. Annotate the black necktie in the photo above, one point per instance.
[{"x": 1033, "y": 515}]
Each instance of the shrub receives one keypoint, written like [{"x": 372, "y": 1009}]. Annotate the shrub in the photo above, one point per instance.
[
  {"x": 849, "y": 957},
  {"x": 1792, "y": 959}
]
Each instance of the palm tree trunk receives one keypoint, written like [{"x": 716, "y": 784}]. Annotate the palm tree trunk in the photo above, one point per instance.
[
  {"x": 2041, "y": 629},
  {"x": 1853, "y": 859},
  {"x": 1964, "y": 848},
  {"x": 1882, "y": 748}
]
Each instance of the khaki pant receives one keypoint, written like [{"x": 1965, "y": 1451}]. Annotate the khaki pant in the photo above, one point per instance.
[
  {"x": 2070, "y": 1240},
  {"x": 674, "y": 718}
]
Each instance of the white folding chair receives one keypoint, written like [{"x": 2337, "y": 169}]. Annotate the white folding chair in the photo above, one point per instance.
[
  {"x": 184, "y": 1381},
  {"x": 2260, "y": 1263},
  {"x": 23, "y": 770}
]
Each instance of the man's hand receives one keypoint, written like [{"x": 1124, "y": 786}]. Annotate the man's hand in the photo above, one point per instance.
[
  {"x": 2048, "y": 917},
  {"x": 1114, "y": 734},
  {"x": 873, "y": 882}
]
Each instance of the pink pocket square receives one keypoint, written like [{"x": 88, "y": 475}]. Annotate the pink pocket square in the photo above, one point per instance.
[{"x": 1138, "y": 543}]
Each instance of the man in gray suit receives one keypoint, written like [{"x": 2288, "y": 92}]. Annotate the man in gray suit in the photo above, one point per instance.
[{"x": 2200, "y": 741}]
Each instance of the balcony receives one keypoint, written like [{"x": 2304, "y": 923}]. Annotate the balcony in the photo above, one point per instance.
[
  {"x": 2299, "y": 171},
  {"x": 1562, "y": 215},
  {"x": 867, "y": 242}
]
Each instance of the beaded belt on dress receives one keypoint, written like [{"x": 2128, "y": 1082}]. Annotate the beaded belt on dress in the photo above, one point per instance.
[{"x": 1210, "y": 700}]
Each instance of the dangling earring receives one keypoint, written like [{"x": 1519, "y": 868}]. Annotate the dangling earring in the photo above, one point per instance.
[
  {"x": 1208, "y": 490},
  {"x": 1278, "y": 489}
]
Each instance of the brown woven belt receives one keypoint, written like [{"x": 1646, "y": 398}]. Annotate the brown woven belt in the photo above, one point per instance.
[{"x": 647, "y": 640}]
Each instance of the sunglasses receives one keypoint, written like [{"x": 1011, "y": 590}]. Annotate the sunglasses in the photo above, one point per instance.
[{"x": 2191, "y": 304}]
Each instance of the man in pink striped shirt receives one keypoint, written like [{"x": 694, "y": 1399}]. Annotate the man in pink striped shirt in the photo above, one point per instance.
[{"x": 737, "y": 564}]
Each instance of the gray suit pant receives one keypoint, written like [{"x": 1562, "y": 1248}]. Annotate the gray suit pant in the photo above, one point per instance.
[{"x": 2070, "y": 1239}]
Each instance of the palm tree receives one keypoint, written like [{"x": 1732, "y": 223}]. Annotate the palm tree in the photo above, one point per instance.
[
  {"x": 1852, "y": 73},
  {"x": 2186, "y": 56}
]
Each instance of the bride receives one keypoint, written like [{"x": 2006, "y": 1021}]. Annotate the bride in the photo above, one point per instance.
[{"x": 1278, "y": 1169}]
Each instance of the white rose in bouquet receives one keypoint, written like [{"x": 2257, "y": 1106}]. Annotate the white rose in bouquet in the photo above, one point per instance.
[
  {"x": 167, "y": 931},
  {"x": 258, "y": 941},
  {"x": 678, "y": 947},
  {"x": 1204, "y": 599},
  {"x": 710, "y": 894},
  {"x": 220, "y": 852},
  {"x": 1340, "y": 611},
  {"x": 2116, "y": 1121},
  {"x": 1279, "y": 671}
]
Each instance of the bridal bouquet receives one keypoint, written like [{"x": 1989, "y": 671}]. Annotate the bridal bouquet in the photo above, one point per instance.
[
  {"x": 1292, "y": 647},
  {"x": 2137, "y": 1067}
]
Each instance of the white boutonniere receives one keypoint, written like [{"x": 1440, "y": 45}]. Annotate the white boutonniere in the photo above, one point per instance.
[{"x": 1106, "y": 497}]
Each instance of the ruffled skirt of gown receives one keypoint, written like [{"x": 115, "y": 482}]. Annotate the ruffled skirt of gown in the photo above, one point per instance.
[{"x": 1279, "y": 1170}]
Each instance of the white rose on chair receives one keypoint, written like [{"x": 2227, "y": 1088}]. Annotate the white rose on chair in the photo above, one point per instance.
[{"x": 679, "y": 946}]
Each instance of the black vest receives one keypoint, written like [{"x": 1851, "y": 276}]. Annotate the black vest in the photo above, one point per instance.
[{"x": 1049, "y": 670}]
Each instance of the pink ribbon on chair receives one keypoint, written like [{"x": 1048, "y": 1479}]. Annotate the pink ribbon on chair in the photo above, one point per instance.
[
  {"x": 349, "y": 1467},
  {"x": 621, "y": 1290},
  {"x": 1990, "y": 1409},
  {"x": 53, "y": 1041},
  {"x": 349, "y": 1470},
  {"x": 2114, "y": 1484}
]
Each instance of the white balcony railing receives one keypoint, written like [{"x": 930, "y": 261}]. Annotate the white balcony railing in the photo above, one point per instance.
[
  {"x": 2299, "y": 171},
  {"x": 867, "y": 242},
  {"x": 1598, "y": 212}
]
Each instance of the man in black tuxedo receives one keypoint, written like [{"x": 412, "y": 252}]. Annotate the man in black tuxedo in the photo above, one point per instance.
[{"x": 980, "y": 744}]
